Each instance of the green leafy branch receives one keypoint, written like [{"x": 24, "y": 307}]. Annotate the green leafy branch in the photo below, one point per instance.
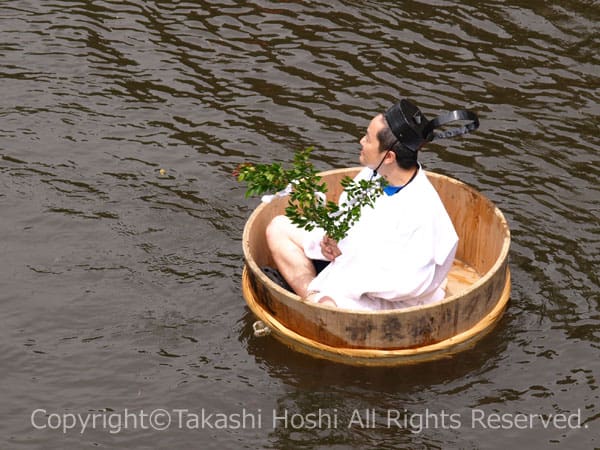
[{"x": 307, "y": 204}]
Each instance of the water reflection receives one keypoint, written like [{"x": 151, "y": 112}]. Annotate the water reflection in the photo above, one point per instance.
[{"x": 294, "y": 367}]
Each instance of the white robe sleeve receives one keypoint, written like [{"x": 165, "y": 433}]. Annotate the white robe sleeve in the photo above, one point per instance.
[{"x": 312, "y": 243}]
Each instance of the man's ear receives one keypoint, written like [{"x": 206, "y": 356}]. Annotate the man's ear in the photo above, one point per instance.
[{"x": 390, "y": 157}]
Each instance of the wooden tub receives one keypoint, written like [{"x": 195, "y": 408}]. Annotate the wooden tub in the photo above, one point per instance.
[{"x": 477, "y": 292}]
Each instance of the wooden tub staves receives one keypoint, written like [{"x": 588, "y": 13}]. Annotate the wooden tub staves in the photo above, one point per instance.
[{"x": 477, "y": 292}]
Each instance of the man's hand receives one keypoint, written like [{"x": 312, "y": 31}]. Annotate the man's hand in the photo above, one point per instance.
[{"x": 329, "y": 248}]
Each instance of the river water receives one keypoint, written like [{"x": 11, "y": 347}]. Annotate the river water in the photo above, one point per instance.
[{"x": 120, "y": 247}]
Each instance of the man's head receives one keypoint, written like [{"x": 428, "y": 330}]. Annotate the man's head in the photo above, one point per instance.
[{"x": 398, "y": 133}]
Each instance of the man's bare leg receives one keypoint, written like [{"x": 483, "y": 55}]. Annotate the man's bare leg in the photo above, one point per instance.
[{"x": 285, "y": 242}]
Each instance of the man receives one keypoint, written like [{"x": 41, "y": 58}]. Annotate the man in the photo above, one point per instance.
[{"x": 399, "y": 252}]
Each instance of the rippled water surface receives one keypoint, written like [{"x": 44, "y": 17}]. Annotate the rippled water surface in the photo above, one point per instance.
[{"x": 120, "y": 282}]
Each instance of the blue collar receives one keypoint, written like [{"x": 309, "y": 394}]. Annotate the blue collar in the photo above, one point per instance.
[{"x": 391, "y": 190}]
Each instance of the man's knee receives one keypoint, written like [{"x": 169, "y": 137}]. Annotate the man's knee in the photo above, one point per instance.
[
  {"x": 278, "y": 229},
  {"x": 281, "y": 231}
]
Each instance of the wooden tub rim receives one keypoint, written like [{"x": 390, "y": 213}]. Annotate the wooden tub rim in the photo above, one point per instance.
[{"x": 500, "y": 260}]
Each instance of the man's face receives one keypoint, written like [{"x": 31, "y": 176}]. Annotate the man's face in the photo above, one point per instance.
[{"x": 370, "y": 156}]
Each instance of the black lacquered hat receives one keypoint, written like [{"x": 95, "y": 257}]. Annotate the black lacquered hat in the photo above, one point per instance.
[
  {"x": 408, "y": 124},
  {"x": 413, "y": 130}
]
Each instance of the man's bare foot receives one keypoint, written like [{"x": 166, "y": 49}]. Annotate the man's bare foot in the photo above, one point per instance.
[{"x": 327, "y": 301}]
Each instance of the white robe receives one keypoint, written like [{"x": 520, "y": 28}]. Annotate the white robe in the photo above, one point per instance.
[{"x": 397, "y": 255}]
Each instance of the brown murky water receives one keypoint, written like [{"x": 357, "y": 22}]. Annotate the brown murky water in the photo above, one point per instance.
[{"x": 120, "y": 283}]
